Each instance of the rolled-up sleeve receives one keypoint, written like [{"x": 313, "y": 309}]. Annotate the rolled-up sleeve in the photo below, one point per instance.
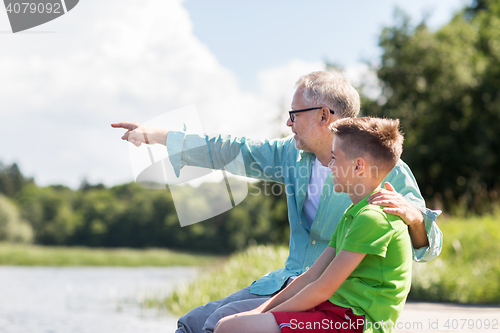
[
  {"x": 261, "y": 159},
  {"x": 434, "y": 235},
  {"x": 404, "y": 183},
  {"x": 175, "y": 143}
]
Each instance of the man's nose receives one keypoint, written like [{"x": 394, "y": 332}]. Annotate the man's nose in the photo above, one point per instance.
[{"x": 289, "y": 122}]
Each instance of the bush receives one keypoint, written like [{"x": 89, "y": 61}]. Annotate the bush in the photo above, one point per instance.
[{"x": 12, "y": 227}]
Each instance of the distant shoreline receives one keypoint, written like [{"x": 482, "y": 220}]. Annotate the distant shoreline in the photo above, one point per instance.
[{"x": 35, "y": 255}]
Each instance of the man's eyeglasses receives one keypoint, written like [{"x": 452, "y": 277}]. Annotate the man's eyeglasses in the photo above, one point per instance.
[{"x": 292, "y": 112}]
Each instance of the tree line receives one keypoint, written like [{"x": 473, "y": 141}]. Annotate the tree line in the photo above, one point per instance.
[{"x": 130, "y": 216}]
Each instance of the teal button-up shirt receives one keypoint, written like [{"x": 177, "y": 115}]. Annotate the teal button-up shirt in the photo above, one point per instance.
[{"x": 278, "y": 160}]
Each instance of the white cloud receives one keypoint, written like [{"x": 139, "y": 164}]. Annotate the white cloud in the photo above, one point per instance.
[
  {"x": 115, "y": 61},
  {"x": 127, "y": 61},
  {"x": 278, "y": 83},
  {"x": 362, "y": 76}
]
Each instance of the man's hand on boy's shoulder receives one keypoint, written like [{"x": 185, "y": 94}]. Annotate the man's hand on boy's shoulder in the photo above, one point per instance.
[{"x": 396, "y": 204}]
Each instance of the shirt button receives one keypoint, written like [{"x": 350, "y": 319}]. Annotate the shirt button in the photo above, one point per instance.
[
  {"x": 283, "y": 277},
  {"x": 313, "y": 242},
  {"x": 307, "y": 268}
]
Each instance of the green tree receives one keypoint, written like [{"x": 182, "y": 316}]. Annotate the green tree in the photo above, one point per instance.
[
  {"x": 50, "y": 212},
  {"x": 12, "y": 227},
  {"x": 445, "y": 88},
  {"x": 12, "y": 180},
  {"x": 98, "y": 209},
  {"x": 130, "y": 216}
]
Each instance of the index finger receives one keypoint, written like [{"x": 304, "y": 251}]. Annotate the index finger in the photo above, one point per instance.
[
  {"x": 372, "y": 197},
  {"x": 377, "y": 194},
  {"x": 389, "y": 187},
  {"x": 126, "y": 125}
]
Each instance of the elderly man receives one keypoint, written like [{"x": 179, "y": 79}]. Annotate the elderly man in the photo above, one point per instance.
[{"x": 299, "y": 162}]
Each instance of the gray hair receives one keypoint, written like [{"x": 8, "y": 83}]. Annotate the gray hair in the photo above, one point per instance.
[{"x": 331, "y": 90}]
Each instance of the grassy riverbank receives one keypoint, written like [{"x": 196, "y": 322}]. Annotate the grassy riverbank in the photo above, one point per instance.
[
  {"x": 467, "y": 271},
  {"x": 33, "y": 255},
  {"x": 238, "y": 272}
]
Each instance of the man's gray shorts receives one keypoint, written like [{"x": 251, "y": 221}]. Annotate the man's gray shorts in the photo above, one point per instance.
[{"x": 204, "y": 318}]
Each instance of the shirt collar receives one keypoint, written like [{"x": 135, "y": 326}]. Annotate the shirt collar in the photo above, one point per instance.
[
  {"x": 305, "y": 155},
  {"x": 353, "y": 210}
]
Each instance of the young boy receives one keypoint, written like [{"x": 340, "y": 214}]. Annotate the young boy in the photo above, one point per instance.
[{"x": 361, "y": 280}]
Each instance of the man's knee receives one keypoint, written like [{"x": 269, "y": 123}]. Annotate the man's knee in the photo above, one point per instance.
[
  {"x": 194, "y": 320},
  {"x": 222, "y": 312},
  {"x": 230, "y": 309},
  {"x": 237, "y": 307}
]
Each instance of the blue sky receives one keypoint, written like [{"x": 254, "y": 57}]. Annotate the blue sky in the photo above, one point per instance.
[
  {"x": 248, "y": 36},
  {"x": 63, "y": 83}
]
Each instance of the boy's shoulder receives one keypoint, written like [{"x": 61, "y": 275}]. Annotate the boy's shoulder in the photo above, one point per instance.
[
  {"x": 377, "y": 215},
  {"x": 369, "y": 230}
]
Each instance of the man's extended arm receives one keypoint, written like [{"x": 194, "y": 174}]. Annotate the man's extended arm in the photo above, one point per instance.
[{"x": 261, "y": 159}]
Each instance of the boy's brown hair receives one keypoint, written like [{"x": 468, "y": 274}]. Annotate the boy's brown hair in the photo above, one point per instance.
[{"x": 376, "y": 138}]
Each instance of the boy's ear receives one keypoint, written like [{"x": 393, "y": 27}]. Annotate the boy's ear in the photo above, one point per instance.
[{"x": 360, "y": 166}]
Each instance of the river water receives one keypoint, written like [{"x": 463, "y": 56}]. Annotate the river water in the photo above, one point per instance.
[{"x": 86, "y": 299}]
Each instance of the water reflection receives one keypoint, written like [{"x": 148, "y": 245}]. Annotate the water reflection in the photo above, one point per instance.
[{"x": 86, "y": 299}]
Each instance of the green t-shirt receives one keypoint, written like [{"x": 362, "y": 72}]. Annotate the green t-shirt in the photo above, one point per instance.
[{"x": 378, "y": 287}]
